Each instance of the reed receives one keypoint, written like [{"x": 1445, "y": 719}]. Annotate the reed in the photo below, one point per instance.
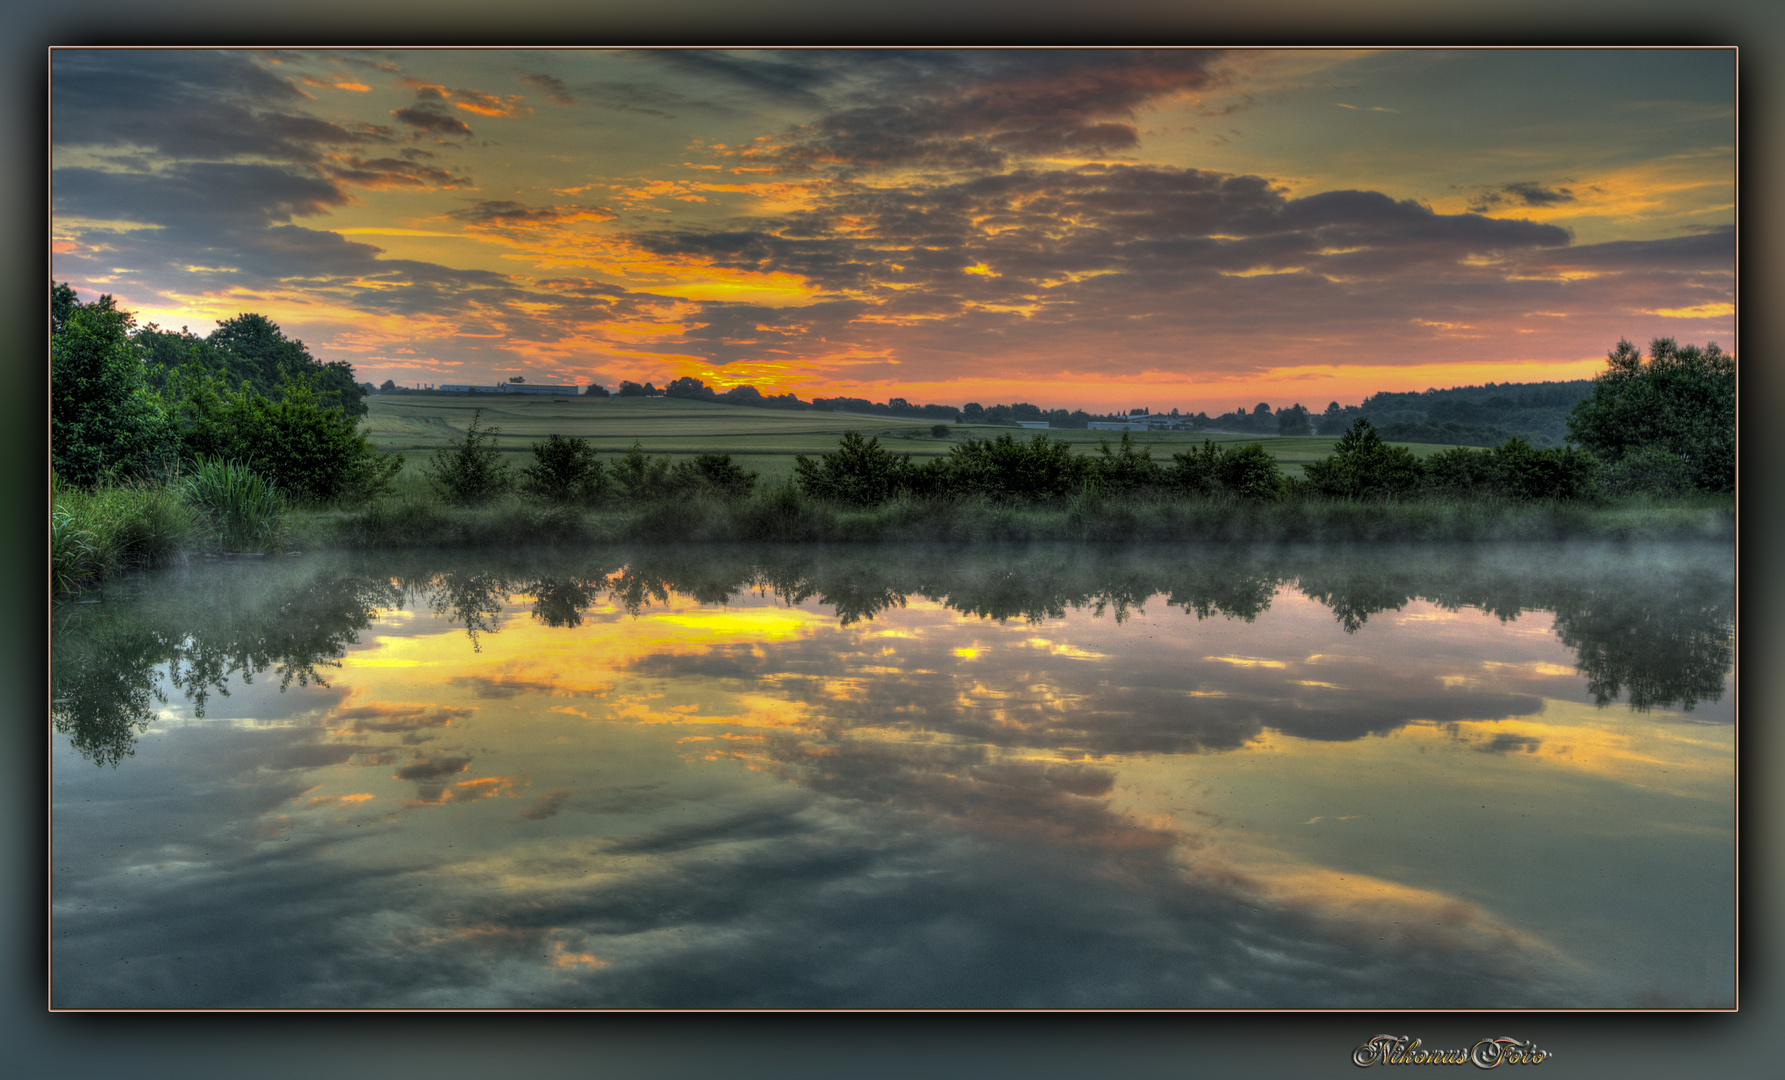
[{"x": 247, "y": 511}]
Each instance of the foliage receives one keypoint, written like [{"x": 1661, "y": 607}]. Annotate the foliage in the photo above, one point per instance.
[
  {"x": 115, "y": 527},
  {"x": 859, "y": 473},
  {"x": 564, "y": 470},
  {"x": 105, "y": 423},
  {"x": 1124, "y": 469},
  {"x": 640, "y": 476},
  {"x": 1648, "y": 470},
  {"x": 470, "y": 470},
  {"x": 306, "y": 449},
  {"x": 259, "y": 353},
  {"x": 1245, "y": 472},
  {"x": 74, "y": 556},
  {"x": 1362, "y": 466},
  {"x": 939, "y": 431},
  {"x": 1556, "y": 472},
  {"x": 1682, "y": 400},
  {"x": 246, "y": 510},
  {"x": 1005, "y": 469},
  {"x": 712, "y": 474}
]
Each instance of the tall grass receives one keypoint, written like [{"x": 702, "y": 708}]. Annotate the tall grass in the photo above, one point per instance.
[
  {"x": 782, "y": 513},
  {"x": 99, "y": 532},
  {"x": 246, "y": 510}
]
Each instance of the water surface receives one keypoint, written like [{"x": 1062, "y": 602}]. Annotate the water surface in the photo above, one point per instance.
[{"x": 1186, "y": 777}]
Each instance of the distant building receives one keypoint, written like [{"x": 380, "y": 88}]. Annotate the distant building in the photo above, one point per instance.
[
  {"x": 1142, "y": 422},
  {"x": 511, "y": 388},
  {"x": 1042, "y": 424}
]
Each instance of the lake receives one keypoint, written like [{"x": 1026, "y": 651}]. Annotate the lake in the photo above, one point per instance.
[{"x": 1499, "y": 776}]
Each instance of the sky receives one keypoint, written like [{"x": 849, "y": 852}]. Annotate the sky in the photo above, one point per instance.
[{"x": 1194, "y": 229}]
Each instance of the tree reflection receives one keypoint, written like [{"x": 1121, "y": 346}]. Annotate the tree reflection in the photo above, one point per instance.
[{"x": 1658, "y": 637}]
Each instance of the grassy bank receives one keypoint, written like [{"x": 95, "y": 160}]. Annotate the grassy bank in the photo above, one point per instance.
[{"x": 782, "y": 514}]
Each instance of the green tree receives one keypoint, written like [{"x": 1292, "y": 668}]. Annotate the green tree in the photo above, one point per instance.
[
  {"x": 105, "y": 423},
  {"x": 640, "y": 476},
  {"x": 309, "y": 450},
  {"x": 470, "y": 470},
  {"x": 564, "y": 470},
  {"x": 1682, "y": 400},
  {"x": 259, "y": 353},
  {"x": 713, "y": 474},
  {"x": 1362, "y": 466},
  {"x": 860, "y": 472}
]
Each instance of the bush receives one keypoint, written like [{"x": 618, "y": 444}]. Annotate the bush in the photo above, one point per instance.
[
  {"x": 1460, "y": 472},
  {"x": 1124, "y": 470},
  {"x": 640, "y": 476},
  {"x": 711, "y": 474},
  {"x": 1248, "y": 472},
  {"x": 1362, "y": 466},
  {"x": 1003, "y": 468},
  {"x": 1649, "y": 470},
  {"x": 247, "y": 512},
  {"x": 939, "y": 431},
  {"x": 309, "y": 451},
  {"x": 1556, "y": 472},
  {"x": 564, "y": 470},
  {"x": 470, "y": 470},
  {"x": 859, "y": 473}
]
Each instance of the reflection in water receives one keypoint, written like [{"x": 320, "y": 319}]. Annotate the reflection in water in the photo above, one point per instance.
[{"x": 904, "y": 777}]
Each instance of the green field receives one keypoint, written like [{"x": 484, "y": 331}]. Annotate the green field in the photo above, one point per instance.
[{"x": 764, "y": 440}]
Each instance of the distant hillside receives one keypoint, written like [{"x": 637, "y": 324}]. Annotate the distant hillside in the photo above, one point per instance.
[{"x": 1461, "y": 416}]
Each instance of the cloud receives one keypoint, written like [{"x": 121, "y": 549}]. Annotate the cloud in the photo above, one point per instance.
[
  {"x": 388, "y": 716},
  {"x": 555, "y": 90},
  {"x": 433, "y": 768},
  {"x": 1522, "y": 194},
  {"x": 427, "y": 116},
  {"x": 957, "y": 110}
]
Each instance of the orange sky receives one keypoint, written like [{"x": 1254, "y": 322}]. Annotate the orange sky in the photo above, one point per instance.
[{"x": 1182, "y": 228}]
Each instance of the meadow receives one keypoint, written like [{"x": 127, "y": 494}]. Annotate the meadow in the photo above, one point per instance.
[{"x": 765, "y": 441}]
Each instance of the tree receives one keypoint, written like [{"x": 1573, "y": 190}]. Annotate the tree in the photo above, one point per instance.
[
  {"x": 1294, "y": 420},
  {"x": 860, "y": 472},
  {"x": 1362, "y": 466},
  {"x": 389, "y": 387},
  {"x": 259, "y": 353},
  {"x": 470, "y": 470},
  {"x": 973, "y": 410},
  {"x": 564, "y": 470},
  {"x": 309, "y": 450},
  {"x": 596, "y": 391},
  {"x": 105, "y": 423},
  {"x": 1681, "y": 402}
]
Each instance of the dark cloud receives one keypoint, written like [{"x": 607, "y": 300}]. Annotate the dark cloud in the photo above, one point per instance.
[
  {"x": 385, "y": 716},
  {"x": 1524, "y": 193},
  {"x": 427, "y": 116},
  {"x": 434, "y": 768},
  {"x": 958, "y": 110},
  {"x": 502, "y": 686},
  {"x": 506, "y": 212},
  {"x": 548, "y": 805},
  {"x": 555, "y": 90}
]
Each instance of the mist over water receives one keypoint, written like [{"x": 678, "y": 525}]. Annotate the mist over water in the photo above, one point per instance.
[{"x": 1494, "y": 776}]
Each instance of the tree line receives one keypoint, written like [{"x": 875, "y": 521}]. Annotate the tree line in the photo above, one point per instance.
[{"x": 130, "y": 403}]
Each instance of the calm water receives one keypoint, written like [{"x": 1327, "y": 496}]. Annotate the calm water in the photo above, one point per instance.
[{"x": 1498, "y": 777}]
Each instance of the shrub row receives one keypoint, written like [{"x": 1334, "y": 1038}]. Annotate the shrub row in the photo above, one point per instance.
[
  {"x": 1362, "y": 466},
  {"x": 470, "y": 471}
]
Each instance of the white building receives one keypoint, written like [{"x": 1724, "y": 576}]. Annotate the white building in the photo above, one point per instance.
[{"x": 512, "y": 388}]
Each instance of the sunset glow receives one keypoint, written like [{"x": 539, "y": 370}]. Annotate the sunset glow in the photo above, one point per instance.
[{"x": 1193, "y": 229}]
